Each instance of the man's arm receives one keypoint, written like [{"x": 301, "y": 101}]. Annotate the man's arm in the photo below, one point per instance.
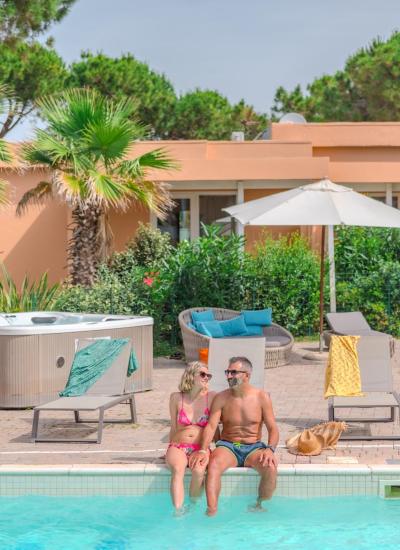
[
  {"x": 201, "y": 457},
  {"x": 268, "y": 456},
  {"x": 173, "y": 415}
]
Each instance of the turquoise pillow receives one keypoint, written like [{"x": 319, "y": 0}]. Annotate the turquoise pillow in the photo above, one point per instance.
[
  {"x": 211, "y": 328},
  {"x": 254, "y": 330},
  {"x": 191, "y": 325},
  {"x": 202, "y": 316},
  {"x": 234, "y": 327},
  {"x": 200, "y": 327},
  {"x": 262, "y": 317}
]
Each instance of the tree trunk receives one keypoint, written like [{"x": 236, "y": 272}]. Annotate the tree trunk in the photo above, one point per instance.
[{"x": 85, "y": 244}]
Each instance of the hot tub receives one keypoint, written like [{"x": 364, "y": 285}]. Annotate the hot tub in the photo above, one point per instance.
[{"x": 37, "y": 349}]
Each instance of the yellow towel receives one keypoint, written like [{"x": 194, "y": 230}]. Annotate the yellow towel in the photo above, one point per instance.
[{"x": 342, "y": 376}]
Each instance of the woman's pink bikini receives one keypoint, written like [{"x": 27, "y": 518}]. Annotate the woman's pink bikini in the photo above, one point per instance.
[{"x": 183, "y": 420}]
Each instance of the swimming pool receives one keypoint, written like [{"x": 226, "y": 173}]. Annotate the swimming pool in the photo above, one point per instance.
[
  {"x": 124, "y": 507},
  {"x": 147, "y": 523}
]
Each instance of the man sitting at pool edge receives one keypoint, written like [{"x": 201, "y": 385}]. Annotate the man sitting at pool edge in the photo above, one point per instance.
[{"x": 242, "y": 409}]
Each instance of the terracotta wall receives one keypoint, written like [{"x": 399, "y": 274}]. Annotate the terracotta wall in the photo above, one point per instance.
[
  {"x": 254, "y": 233},
  {"x": 37, "y": 241}
]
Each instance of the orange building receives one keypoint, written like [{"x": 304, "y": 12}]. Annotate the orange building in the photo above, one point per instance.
[{"x": 213, "y": 175}]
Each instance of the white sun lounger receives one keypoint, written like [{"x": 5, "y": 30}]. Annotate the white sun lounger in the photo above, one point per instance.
[
  {"x": 112, "y": 388},
  {"x": 376, "y": 383}
]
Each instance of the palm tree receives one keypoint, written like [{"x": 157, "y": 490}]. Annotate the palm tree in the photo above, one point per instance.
[
  {"x": 4, "y": 157},
  {"x": 6, "y": 101},
  {"x": 87, "y": 145}
]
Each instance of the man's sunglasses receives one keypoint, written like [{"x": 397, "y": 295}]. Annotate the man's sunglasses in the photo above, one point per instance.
[
  {"x": 234, "y": 372},
  {"x": 205, "y": 375}
]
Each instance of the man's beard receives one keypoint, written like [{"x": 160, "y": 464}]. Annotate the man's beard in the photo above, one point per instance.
[{"x": 235, "y": 382}]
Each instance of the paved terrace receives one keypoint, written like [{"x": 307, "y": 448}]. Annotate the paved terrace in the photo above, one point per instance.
[{"x": 297, "y": 395}]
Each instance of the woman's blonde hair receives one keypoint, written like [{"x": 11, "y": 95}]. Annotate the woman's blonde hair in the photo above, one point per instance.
[{"x": 187, "y": 380}]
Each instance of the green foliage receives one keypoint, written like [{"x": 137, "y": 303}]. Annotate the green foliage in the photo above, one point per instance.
[
  {"x": 359, "y": 250},
  {"x": 29, "y": 70},
  {"x": 87, "y": 146},
  {"x": 210, "y": 271},
  {"x": 110, "y": 294},
  {"x": 206, "y": 114},
  {"x": 147, "y": 249},
  {"x": 368, "y": 88},
  {"x": 25, "y": 18},
  {"x": 39, "y": 296},
  {"x": 126, "y": 77},
  {"x": 368, "y": 274},
  {"x": 284, "y": 274}
]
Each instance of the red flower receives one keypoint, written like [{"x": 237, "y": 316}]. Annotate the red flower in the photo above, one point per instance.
[{"x": 148, "y": 281}]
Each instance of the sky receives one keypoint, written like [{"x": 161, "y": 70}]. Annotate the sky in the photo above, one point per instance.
[{"x": 243, "y": 49}]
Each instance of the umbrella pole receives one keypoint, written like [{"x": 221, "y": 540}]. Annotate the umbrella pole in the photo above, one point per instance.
[{"x": 321, "y": 290}]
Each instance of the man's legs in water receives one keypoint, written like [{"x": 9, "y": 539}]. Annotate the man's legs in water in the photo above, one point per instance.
[
  {"x": 221, "y": 459},
  {"x": 268, "y": 476}
]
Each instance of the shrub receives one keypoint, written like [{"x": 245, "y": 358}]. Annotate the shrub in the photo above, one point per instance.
[
  {"x": 205, "y": 272},
  {"x": 284, "y": 274},
  {"x": 147, "y": 249},
  {"x": 376, "y": 294}
]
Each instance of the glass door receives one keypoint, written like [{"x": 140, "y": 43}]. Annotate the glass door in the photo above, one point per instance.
[{"x": 177, "y": 222}]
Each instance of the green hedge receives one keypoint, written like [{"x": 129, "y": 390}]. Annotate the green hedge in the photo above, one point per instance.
[
  {"x": 215, "y": 271},
  {"x": 210, "y": 271}
]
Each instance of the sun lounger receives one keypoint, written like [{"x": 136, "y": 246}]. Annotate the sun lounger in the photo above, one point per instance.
[
  {"x": 376, "y": 384},
  {"x": 110, "y": 389},
  {"x": 353, "y": 323},
  {"x": 222, "y": 349}
]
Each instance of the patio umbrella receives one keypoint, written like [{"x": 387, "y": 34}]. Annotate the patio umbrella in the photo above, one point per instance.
[{"x": 323, "y": 203}]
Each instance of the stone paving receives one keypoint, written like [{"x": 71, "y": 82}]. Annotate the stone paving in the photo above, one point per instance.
[{"x": 297, "y": 395}]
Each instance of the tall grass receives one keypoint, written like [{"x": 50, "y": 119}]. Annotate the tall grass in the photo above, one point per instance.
[{"x": 31, "y": 296}]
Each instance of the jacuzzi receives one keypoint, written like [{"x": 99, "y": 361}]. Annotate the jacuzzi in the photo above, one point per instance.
[{"x": 37, "y": 349}]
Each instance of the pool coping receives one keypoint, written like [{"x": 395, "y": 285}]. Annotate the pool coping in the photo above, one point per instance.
[{"x": 153, "y": 469}]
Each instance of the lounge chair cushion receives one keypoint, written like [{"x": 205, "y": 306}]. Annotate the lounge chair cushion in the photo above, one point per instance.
[
  {"x": 276, "y": 341},
  {"x": 212, "y": 329},
  {"x": 261, "y": 317},
  {"x": 234, "y": 327},
  {"x": 202, "y": 316},
  {"x": 191, "y": 325}
]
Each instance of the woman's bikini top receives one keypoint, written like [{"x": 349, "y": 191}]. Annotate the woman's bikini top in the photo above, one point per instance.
[{"x": 202, "y": 422}]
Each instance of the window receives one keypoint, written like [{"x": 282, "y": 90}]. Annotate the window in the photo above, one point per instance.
[
  {"x": 191, "y": 210},
  {"x": 177, "y": 222},
  {"x": 210, "y": 210}
]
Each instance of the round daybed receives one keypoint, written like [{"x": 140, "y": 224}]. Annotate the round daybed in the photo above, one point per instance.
[{"x": 278, "y": 340}]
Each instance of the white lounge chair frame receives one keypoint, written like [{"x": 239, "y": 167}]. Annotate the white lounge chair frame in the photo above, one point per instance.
[
  {"x": 376, "y": 382},
  {"x": 105, "y": 393}
]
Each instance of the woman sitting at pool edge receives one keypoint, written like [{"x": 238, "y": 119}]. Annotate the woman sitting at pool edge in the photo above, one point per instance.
[{"x": 189, "y": 410}]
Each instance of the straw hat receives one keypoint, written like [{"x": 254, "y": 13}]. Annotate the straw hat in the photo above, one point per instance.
[{"x": 312, "y": 441}]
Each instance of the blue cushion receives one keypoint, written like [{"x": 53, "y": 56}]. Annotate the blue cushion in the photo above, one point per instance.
[
  {"x": 212, "y": 329},
  {"x": 191, "y": 325},
  {"x": 234, "y": 327},
  {"x": 254, "y": 330},
  {"x": 202, "y": 316},
  {"x": 200, "y": 327},
  {"x": 262, "y": 317}
]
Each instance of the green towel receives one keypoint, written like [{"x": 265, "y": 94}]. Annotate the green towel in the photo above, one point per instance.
[{"x": 91, "y": 362}]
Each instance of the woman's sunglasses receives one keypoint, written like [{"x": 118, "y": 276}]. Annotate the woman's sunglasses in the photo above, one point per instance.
[{"x": 205, "y": 375}]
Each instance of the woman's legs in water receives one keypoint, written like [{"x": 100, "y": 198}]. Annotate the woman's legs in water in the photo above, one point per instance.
[
  {"x": 176, "y": 460},
  {"x": 197, "y": 481}
]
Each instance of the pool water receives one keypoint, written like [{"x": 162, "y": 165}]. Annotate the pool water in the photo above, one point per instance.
[{"x": 147, "y": 523}]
